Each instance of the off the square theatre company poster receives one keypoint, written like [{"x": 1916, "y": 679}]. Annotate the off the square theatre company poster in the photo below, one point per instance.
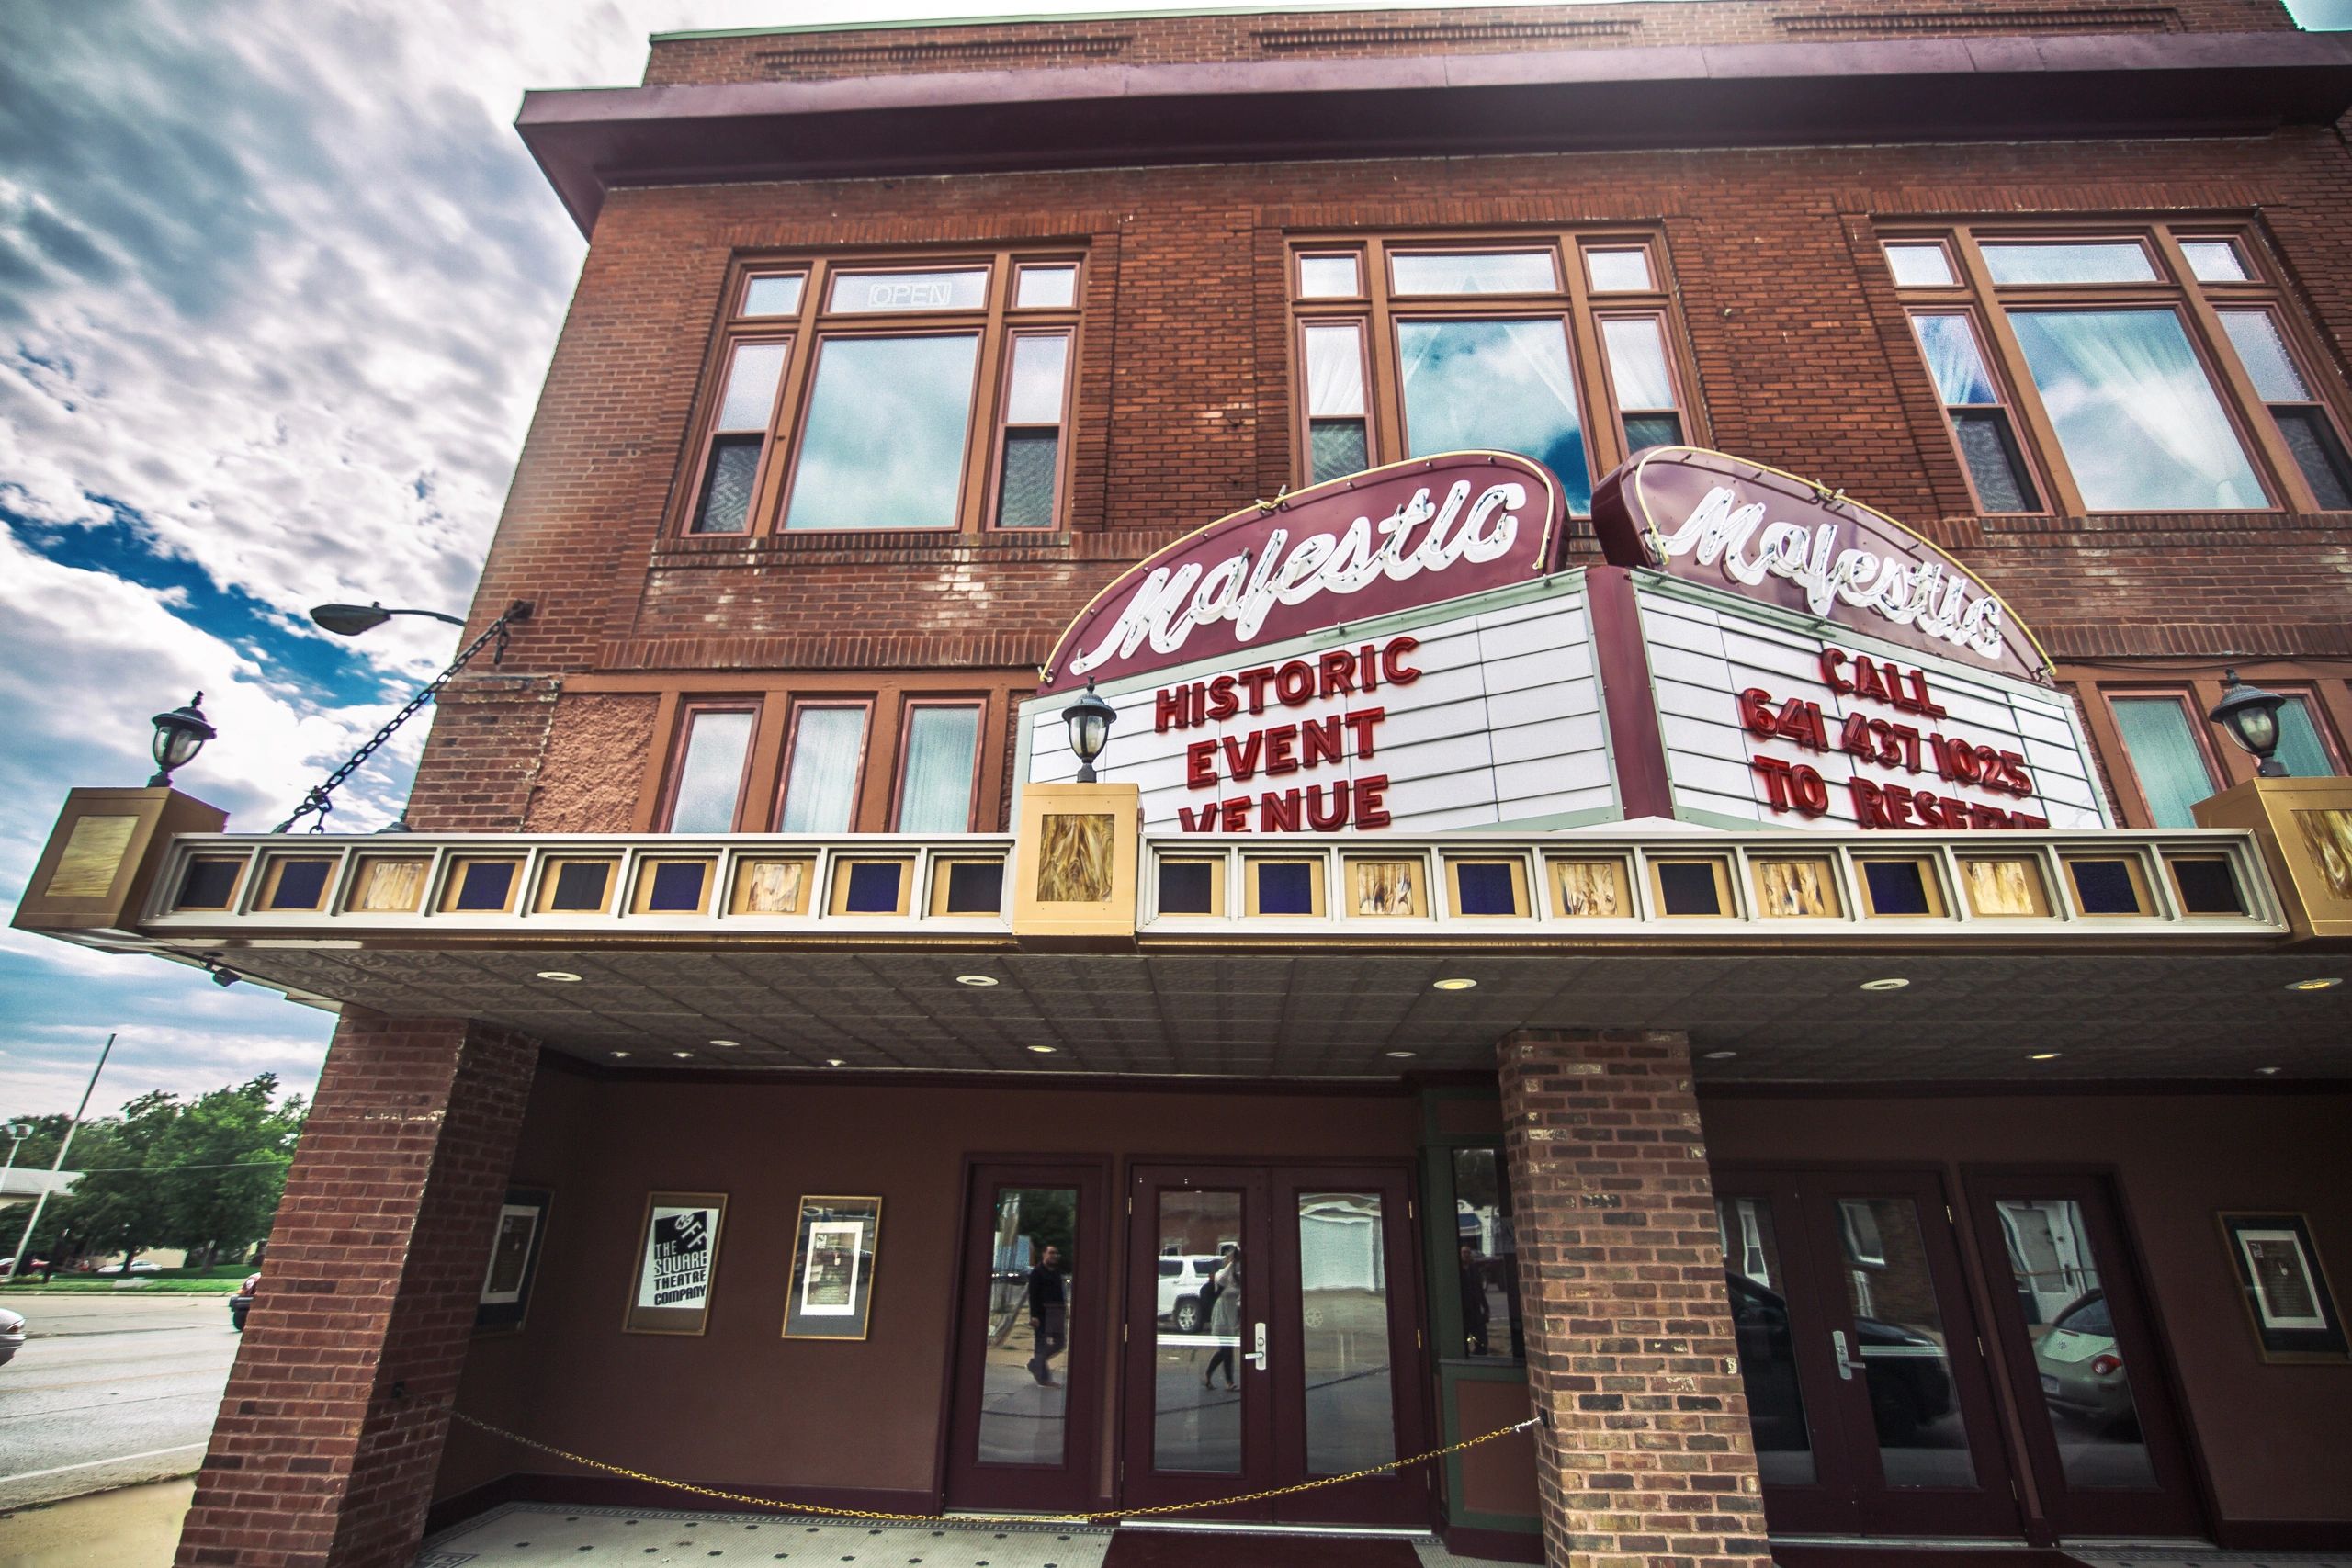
[{"x": 675, "y": 1262}]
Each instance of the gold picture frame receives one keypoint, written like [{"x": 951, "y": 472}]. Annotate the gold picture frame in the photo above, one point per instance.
[{"x": 835, "y": 1244}]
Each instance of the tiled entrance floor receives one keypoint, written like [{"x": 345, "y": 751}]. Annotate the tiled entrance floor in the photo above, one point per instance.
[
  {"x": 539, "y": 1535},
  {"x": 2123, "y": 1556}
]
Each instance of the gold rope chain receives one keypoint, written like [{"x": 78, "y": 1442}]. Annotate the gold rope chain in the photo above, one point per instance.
[{"x": 747, "y": 1499}]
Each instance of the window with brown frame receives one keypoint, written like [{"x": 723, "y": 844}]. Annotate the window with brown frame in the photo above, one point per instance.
[
  {"x": 853, "y": 393},
  {"x": 826, "y": 753},
  {"x": 2159, "y": 747},
  {"x": 1412, "y": 346},
  {"x": 2149, "y": 367}
]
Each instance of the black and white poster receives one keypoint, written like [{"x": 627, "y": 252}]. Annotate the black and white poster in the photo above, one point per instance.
[{"x": 678, "y": 1259}]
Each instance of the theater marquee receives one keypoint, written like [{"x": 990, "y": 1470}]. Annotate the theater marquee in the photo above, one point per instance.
[{"x": 1408, "y": 647}]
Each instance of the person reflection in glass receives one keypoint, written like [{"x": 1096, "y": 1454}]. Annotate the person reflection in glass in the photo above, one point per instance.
[
  {"x": 1225, "y": 1315},
  {"x": 1048, "y": 1313},
  {"x": 1476, "y": 1313}
]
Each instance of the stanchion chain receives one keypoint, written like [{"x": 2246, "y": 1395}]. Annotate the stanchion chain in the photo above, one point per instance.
[{"x": 720, "y": 1494}]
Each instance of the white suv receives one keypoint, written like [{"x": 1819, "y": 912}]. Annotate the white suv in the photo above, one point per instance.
[{"x": 1181, "y": 1280}]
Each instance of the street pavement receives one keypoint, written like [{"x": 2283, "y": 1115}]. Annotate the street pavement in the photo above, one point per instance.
[{"x": 109, "y": 1389}]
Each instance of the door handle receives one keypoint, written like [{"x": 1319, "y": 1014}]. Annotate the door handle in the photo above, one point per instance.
[
  {"x": 1845, "y": 1364},
  {"x": 1258, "y": 1358}
]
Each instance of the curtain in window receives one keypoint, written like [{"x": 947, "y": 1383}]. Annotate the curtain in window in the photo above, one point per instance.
[
  {"x": 2301, "y": 750},
  {"x": 2164, "y": 753},
  {"x": 1954, "y": 360},
  {"x": 821, "y": 790},
  {"x": 1637, "y": 362},
  {"x": 936, "y": 796},
  {"x": 883, "y": 444},
  {"x": 2135, "y": 412},
  {"x": 1335, "y": 370},
  {"x": 711, "y": 773}
]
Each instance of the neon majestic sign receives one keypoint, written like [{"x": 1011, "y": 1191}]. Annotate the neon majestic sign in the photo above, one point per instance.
[
  {"x": 1387, "y": 539},
  {"x": 1683, "y": 509}
]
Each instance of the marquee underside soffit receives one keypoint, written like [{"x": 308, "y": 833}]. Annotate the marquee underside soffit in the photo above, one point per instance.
[{"x": 1796, "y": 1017}]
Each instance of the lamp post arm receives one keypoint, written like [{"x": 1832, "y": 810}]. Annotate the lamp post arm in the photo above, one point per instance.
[
  {"x": 453, "y": 620},
  {"x": 320, "y": 801}
]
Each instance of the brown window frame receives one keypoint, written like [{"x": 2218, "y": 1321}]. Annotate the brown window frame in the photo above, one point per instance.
[
  {"x": 799, "y": 704},
  {"x": 2029, "y": 463},
  {"x": 2323, "y": 687},
  {"x": 1574, "y": 303},
  {"x": 681, "y": 739},
  {"x": 993, "y": 508},
  {"x": 904, "y": 749},
  {"x": 816, "y": 323},
  {"x": 2176, "y": 288}
]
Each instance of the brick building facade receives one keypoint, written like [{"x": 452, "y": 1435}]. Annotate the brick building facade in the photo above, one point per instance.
[{"x": 1793, "y": 1239}]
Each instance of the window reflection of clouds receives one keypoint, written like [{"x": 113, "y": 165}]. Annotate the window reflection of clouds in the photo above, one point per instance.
[
  {"x": 884, "y": 445},
  {"x": 1505, "y": 385},
  {"x": 2134, "y": 411}
]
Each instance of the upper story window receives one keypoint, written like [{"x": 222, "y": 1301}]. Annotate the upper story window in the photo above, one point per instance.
[
  {"x": 1559, "y": 346},
  {"x": 2159, "y": 745},
  {"x": 2149, "y": 369},
  {"x": 851, "y": 394}
]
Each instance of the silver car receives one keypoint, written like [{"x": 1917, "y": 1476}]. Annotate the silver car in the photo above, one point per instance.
[{"x": 12, "y": 1335}]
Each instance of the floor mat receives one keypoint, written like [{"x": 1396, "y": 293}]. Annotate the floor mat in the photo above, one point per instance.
[
  {"x": 1191, "y": 1549},
  {"x": 541, "y": 1535}
]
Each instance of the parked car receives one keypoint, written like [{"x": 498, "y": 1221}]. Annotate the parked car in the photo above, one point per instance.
[
  {"x": 1181, "y": 1280},
  {"x": 32, "y": 1264},
  {"x": 2081, "y": 1367},
  {"x": 12, "y": 1335},
  {"x": 243, "y": 1302},
  {"x": 1909, "y": 1385}
]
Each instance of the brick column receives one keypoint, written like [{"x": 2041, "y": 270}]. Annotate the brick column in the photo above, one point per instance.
[
  {"x": 375, "y": 1266},
  {"x": 1630, "y": 1346}
]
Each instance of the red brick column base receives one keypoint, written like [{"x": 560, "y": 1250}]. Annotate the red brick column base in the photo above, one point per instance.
[
  {"x": 1630, "y": 1345},
  {"x": 375, "y": 1265}
]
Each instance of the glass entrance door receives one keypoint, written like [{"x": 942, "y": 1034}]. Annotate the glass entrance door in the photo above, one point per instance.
[
  {"x": 1270, "y": 1341},
  {"x": 1036, "y": 1277},
  {"x": 2102, "y": 1432},
  {"x": 1869, "y": 1399}
]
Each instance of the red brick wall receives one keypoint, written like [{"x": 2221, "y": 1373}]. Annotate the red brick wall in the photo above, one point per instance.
[
  {"x": 1183, "y": 412},
  {"x": 1630, "y": 1343},
  {"x": 376, "y": 1261},
  {"x": 809, "y": 56}
]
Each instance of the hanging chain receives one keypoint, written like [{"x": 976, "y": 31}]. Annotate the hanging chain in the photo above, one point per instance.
[
  {"x": 748, "y": 1500},
  {"x": 318, "y": 802}
]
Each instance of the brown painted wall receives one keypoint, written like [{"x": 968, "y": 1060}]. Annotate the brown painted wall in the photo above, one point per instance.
[
  {"x": 742, "y": 1404},
  {"x": 2272, "y": 1436}
]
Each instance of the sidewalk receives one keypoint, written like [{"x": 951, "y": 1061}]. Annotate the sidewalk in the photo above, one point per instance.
[{"x": 130, "y": 1527}]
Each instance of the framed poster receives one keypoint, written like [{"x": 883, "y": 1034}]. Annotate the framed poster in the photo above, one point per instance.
[
  {"x": 677, "y": 1258},
  {"x": 830, "y": 1294},
  {"x": 514, "y": 1258},
  {"x": 2287, "y": 1297}
]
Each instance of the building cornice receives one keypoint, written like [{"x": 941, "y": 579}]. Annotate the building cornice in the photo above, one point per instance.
[{"x": 590, "y": 141}]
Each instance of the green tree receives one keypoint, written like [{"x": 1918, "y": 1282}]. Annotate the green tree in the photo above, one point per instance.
[
  {"x": 222, "y": 1167},
  {"x": 120, "y": 1203}
]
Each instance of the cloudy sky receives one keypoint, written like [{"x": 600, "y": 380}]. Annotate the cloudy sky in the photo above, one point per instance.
[{"x": 278, "y": 286}]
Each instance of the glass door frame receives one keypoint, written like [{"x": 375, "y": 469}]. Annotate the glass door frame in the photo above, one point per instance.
[
  {"x": 1074, "y": 1486},
  {"x": 1273, "y": 1433},
  {"x": 2179, "y": 1505},
  {"x": 1850, "y": 1495}
]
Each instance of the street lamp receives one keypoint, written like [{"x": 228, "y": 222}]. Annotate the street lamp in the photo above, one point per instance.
[
  {"x": 2249, "y": 716},
  {"x": 179, "y": 736},
  {"x": 1090, "y": 719},
  {"x": 350, "y": 620}
]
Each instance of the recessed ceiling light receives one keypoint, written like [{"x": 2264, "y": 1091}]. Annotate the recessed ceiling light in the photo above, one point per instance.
[
  {"x": 2265, "y": 1072},
  {"x": 684, "y": 1056},
  {"x": 833, "y": 1061},
  {"x": 565, "y": 975},
  {"x": 2045, "y": 1056},
  {"x": 1401, "y": 1054},
  {"x": 1892, "y": 983},
  {"x": 1457, "y": 984},
  {"x": 2325, "y": 983},
  {"x": 620, "y": 1052},
  {"x": 1045, "y": 1050},
  {"x": 977, "y": 980},
  {"x": 1721, "y": 1056},
  {"x": 729, "y": 1044}
]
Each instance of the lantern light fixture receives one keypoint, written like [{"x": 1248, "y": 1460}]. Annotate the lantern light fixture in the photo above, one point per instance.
[
  {"x": 1090, "y": 719},
  {"x": 2249, "y": 716},
  {"x": 179, "y": 736}
]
